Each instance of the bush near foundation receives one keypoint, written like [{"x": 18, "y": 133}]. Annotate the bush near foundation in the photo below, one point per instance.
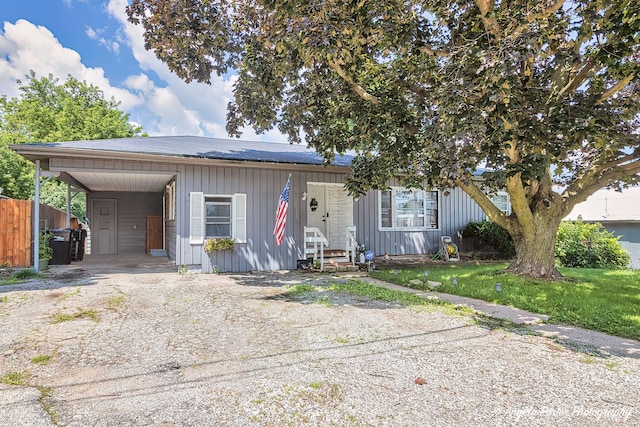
[{"x": 492, "y": 234}]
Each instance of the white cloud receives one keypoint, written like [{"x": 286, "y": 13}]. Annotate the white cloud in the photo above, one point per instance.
[
  {"x": 112, "y": 46},
  {"x": 166, "y": 106},
  {"x": 90, "y": 32},
  {"x": 203, "y": 106},
  {"x": 25, "y": 46}
]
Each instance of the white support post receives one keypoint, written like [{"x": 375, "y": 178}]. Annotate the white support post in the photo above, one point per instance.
[
  {"x": 68, "y": 206},
  {"x": 36, "y": 220}
]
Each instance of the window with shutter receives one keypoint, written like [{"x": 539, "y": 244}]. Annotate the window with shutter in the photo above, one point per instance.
[{"x": 217, "y": 216}]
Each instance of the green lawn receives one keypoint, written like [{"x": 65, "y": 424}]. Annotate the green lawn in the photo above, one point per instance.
[{"x": 603, "y": 300}]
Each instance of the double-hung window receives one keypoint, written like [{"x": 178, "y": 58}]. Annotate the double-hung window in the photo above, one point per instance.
[
  {"x": 408, "y": 209},
  {"x": 502, "y": 202},
  {"x": 217, "y": 216}
]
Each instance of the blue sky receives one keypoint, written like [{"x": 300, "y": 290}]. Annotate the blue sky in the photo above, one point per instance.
[{"x": 92, "y": 41}]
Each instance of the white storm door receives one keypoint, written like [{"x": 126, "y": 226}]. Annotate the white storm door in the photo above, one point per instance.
[
  {"x": 330, "y": 209},
  {"x": 339, "y": 215},
  {"x": 316, "y": 207}
]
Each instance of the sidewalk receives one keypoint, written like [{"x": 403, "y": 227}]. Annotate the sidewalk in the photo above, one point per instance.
[{"x": 535, "y": 322}]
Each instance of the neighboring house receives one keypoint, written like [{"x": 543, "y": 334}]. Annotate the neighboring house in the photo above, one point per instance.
[
  {"x": 619, "y": 213},
  {"x": 207, "y": 187}
]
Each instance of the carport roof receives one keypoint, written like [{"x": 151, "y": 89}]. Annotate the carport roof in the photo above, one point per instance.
[{"x": 188, "y": 147}]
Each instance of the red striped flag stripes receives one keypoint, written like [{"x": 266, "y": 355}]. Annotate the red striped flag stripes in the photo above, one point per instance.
[{"x": 281, "y": 213}]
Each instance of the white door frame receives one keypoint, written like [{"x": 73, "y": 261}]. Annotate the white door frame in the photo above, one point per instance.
[{"x": 322, "y": 217}]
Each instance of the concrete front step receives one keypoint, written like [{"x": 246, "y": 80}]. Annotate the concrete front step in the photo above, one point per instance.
[
  {"x": 333, "y": 268},
  {"x": 330, "y": 253}
]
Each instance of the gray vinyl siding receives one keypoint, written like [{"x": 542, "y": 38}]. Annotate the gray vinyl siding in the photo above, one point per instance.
[
  {"x": 455, "y": 210},
  {"x": 170, "y": 237},
  {"x": 263, "y": 188},
  {"x": 97, "y": 165},
  {"x": 131, "y": 220}
]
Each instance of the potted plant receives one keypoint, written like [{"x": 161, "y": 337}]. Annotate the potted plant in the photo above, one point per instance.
[
  {"x": 45, "y": 253},
  {"x": 218, "y": 244},
  {"x": 362, "y": 248}
]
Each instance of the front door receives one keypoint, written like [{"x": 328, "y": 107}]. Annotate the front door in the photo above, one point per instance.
[
  {"x": 330, "y": 209},
  {"x": 103, "y": 228}
]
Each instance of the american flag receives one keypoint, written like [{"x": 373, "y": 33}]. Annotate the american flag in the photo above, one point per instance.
[{"x": 281, "y": 214}]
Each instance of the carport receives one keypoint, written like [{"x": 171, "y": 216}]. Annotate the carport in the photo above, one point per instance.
[{"x": 130, "y": 203}]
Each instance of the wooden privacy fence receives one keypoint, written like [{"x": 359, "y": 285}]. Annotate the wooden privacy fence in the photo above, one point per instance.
[{"x": 16, "y": 229}]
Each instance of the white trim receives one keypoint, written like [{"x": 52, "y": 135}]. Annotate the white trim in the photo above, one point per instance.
[
  {"x": 333, "y": 184},
  {"x": 426, "y": 227},
  {"x": 227, "y": 201},
  {"x": 196, "y": 218},
  {"x": 170, "y": 202}
]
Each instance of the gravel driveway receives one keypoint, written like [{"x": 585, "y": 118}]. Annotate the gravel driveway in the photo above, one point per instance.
[{"x": 193, "y": 350}]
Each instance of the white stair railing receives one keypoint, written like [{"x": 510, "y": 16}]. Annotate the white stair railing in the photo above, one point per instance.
[
  {"x": 352, "y": 244},
  {"x": 314, "y": 243}
]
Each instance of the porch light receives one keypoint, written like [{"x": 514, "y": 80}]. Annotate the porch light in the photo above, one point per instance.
[{"x": 304, "y": 195}]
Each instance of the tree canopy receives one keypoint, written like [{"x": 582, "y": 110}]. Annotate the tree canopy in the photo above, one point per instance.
[
  {"x": 543, "y": 94},
  {"x": 49, "y": 111}
]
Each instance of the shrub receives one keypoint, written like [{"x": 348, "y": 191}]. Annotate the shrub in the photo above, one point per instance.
[
  {"x": 586, "y": 245},
  {"x": 493, "y": 234}
]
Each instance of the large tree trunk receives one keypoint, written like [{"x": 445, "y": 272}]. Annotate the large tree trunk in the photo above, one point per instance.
[{"x": 535, "y": 253}]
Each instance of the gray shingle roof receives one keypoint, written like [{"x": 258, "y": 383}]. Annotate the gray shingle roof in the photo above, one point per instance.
[{"x": 207, "y": 148}]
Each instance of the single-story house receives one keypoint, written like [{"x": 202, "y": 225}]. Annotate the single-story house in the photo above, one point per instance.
[
  {"x": 208, "y": 187},
  {"x": 619, "y": 213}
]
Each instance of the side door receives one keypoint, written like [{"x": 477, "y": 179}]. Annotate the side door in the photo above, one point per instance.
[{"x": 103, "y": 228}]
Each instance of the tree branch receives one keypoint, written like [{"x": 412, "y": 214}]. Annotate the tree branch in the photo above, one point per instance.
[
  {"x": 520, "y": 203},
  {"x": 429, "y": 51},
  {"x": 490, "y": 22},
  {"x": 356, "y": 87},
  {"x": 545, "y": 13},
  {"x": 619, "y": 162},
  {"x": 597, "y": 178},
  {"x": 494, "y": 214},
  {"x": 577, "y": 80},
  {"x": 418, "y": 90},
  {"x": 615, "y": 88}
]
